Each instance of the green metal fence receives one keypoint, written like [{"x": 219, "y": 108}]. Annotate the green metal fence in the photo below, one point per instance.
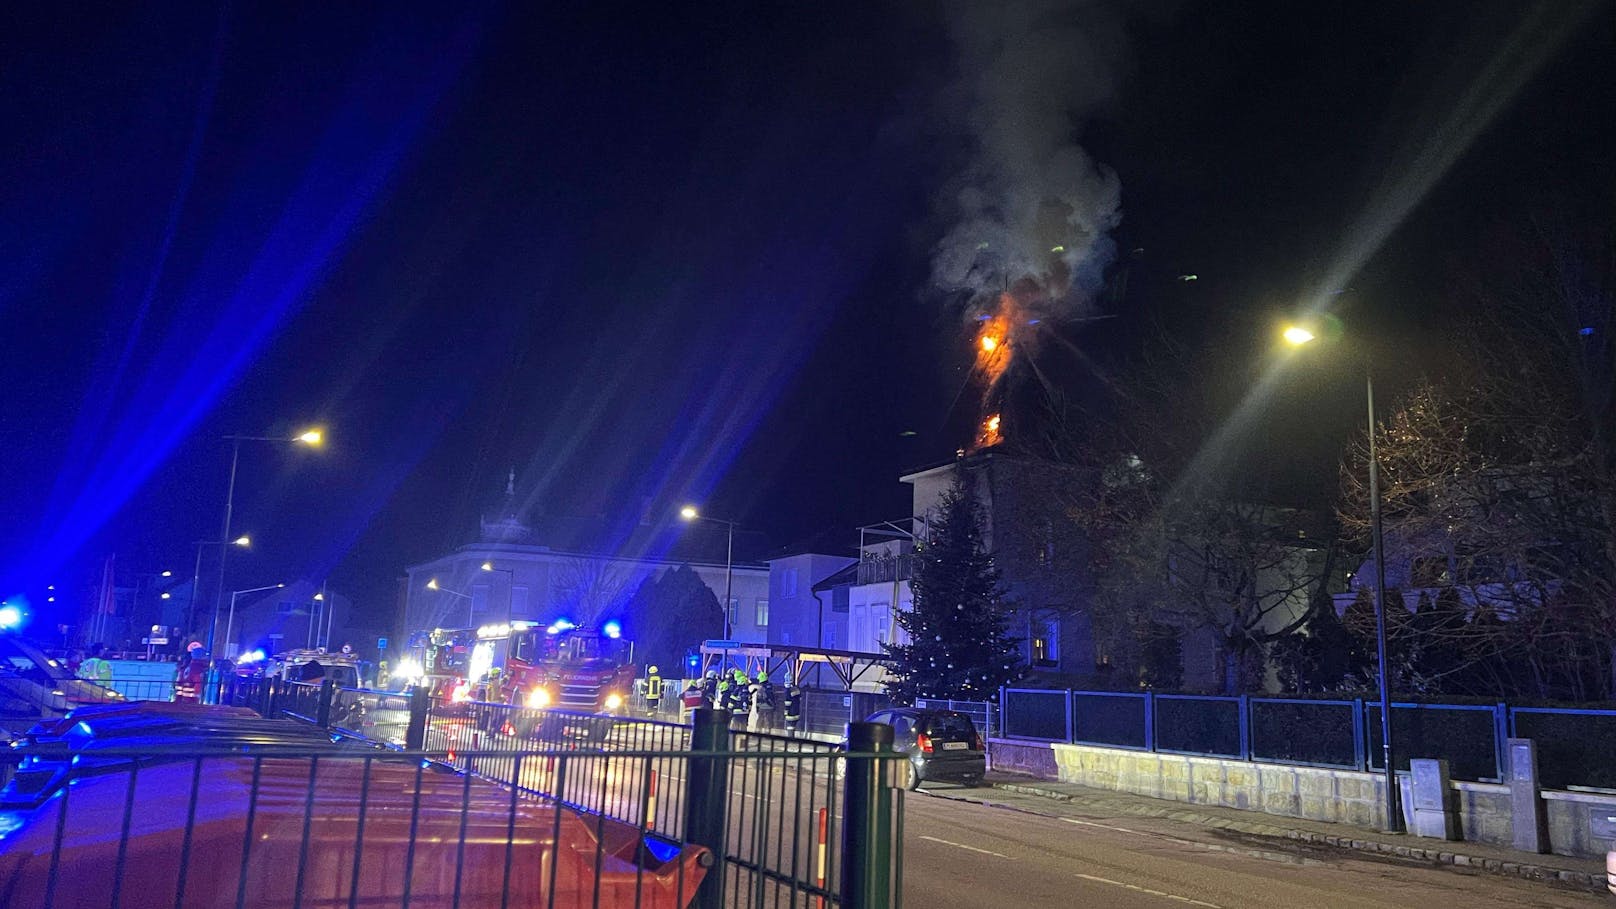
[{"x": 790, "y": 821}]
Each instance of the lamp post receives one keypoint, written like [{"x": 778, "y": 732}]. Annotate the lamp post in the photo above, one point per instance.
[
  {"x": 471, "y": 620},
  {"x": 510, "y": 595},
  {"x": 689, "y": 513},
  {"x": 231, "y": 621},
  {"x": 244, "y": 541},
  {"x": 1297, "y": 336},
  {"x": 313, "y": 438}
]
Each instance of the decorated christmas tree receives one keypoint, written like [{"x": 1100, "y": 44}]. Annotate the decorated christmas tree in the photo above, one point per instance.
[{"x": 957, "y": 644}]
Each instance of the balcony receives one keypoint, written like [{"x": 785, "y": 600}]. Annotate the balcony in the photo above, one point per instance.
[{"x": 886, "y": 569}]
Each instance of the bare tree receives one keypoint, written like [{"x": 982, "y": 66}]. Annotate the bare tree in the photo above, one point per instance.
[
  {"x": 1499, "y": 478},
  {"x": 589, "y": 588},
  {"x": 1171, "y": 546}
]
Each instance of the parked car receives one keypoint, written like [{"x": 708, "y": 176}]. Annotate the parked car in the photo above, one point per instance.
[{"x": 941, "y": 744}]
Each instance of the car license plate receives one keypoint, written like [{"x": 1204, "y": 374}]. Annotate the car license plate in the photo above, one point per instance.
[{"x": 955, "y": 746}]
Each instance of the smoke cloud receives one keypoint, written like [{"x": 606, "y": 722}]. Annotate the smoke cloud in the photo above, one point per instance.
[{"x": 1030, "y": 216}]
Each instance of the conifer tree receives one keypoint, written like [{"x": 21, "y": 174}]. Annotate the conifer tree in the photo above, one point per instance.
[{"x": 957, "y": 643}]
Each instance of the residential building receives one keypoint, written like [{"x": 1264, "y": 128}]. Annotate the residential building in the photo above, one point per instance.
[
  {"x": 797, "y": 610},
  {"x": 562, "y": 569}
]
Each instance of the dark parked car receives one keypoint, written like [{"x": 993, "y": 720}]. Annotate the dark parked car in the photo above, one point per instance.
[{"x": 941, "y": 745}]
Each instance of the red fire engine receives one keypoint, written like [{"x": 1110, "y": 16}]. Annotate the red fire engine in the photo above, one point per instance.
[{"x": 566, "y": 668}]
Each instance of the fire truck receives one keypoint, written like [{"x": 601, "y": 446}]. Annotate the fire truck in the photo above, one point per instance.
[{"x": 568, "y": 669}]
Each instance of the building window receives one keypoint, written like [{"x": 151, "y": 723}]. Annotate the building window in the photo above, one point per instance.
[
  {"x": 762, "y": 613},
  {"x": 479, "y": 599},
  {"x": 734, "y": 612},
  {"x": 788, "y": 582},
  {"x": 1045, "y": 642},
  {"x": 519, "y": 603}
]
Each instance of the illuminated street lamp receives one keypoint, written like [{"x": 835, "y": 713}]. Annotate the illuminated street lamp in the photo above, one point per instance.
[
  {"x": 230, "y": 622},
  {"x": 311, "y": 437},
  {"x": 690, "y": 513},
  {"x": 471, "y": 621},
  {"x": 1297, "y": 336},
  {"x": 244, "y": 542}
]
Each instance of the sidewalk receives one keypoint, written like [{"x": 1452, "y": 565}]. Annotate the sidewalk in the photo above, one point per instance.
[{"x": 1070, "y": 798}]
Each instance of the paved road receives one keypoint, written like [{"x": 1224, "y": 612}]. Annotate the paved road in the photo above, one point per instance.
[
  {"x": 960, "y": 853},
  {"x": 985, "y": 847}
]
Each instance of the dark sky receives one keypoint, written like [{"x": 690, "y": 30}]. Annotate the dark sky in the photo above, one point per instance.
[{"x": 645, "y": 257}]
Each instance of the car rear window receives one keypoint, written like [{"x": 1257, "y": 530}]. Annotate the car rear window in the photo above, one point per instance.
[{"x": 953, "y": 725}]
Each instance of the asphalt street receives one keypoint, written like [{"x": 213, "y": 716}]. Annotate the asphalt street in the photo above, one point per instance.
[
  {"x": 991, "y": 847},
  {"x": 974, "y": 848}
]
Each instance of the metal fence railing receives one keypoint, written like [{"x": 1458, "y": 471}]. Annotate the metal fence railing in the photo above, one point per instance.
[
  {"x": 1574, "y": 745},
  {"x": 642, "y": 813}
]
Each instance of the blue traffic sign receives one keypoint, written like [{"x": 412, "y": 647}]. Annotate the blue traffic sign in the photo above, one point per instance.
[{"x": 381, "y": 643}]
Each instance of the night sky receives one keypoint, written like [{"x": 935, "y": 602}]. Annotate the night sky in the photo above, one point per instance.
[{"x": 648, "y": 257}]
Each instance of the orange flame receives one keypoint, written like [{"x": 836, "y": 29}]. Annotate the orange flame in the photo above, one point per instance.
[
  {"x": 993, "y": 342},
  {"x": 988, "y": 435}
]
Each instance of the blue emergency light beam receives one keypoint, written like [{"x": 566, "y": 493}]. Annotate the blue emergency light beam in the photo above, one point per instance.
[{"x": 247, "y": 285}]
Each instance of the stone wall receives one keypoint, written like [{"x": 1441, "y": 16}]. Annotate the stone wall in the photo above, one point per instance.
[
  {"x": 1315, "y": 793},
  {"x": 1034, "y": 758}
]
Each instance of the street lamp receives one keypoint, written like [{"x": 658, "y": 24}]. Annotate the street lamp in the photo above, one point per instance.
[
  {"x": 471, "y": 621},
  {"x": 230, "y": 622},
  {"x": 689, "y": 513},
  {"x": 313, "y": 438},
  {"x": 244, "y": 542},
  {"x": 1297, "y": 336}
]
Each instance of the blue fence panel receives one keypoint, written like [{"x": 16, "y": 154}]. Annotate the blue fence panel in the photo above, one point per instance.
[
  {"x": 1192, "y": 724},
  {"x": 1115, "y": 719},
  {"x": 1463, "y": 735},
  {"x": 1318, "y": 733},
  {"x": 1033, "y": 713},
  {"x": 1574, "y": 747}
]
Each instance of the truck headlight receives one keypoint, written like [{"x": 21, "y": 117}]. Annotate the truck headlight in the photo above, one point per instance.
[
  {"x": 614, "y": 701},
  {"x": 537, "y": 698}
]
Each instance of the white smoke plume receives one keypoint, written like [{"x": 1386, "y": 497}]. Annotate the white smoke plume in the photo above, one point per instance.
[{"x": 1031, "y": 214}]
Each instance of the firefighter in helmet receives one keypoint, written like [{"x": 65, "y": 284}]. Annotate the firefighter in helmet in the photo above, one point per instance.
[
  {"x": 653, "y": 691},
  {"x": 792, "y": 704}
]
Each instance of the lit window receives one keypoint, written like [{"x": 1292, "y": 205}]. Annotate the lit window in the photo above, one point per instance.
[
  {"x": 762, "y": 613},
  {"x": 734, "y": 611},
  {"x": 1045, "y": 642}
]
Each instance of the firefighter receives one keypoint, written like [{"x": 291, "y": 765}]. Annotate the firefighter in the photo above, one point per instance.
[
  {"x": 723, "y": 696},
  {"x": 653, "y": 691},
  {"x": 793, "y": 708},
  {"x": 761, "y": 694},
  {"x": 736, "y": 694},
  {"x": 189, "y": 674},
  {"x": 709, "y": 689}
]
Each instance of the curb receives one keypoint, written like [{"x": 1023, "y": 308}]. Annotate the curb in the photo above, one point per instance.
[{"x": 1527, "y": 870}]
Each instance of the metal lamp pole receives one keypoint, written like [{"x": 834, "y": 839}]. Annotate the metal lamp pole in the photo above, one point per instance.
[
  {"x": 311, "y": 437},
  {"x": 690, "y": 513},
  {"x": 1296, "y": 336},
  {"x": 231, "y": 621},
  {"x": 1394, "y": 802}
]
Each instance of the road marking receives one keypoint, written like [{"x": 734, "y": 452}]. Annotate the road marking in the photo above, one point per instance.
[
  {"x": 963, "y": 846},
  {"x": 1138, "y": 889}
]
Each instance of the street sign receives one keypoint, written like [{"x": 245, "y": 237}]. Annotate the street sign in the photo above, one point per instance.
[
  {"x": 721, "y": 645},
  {"x": 154, "y": 641},
  {"x": 381, "y": 644}
]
